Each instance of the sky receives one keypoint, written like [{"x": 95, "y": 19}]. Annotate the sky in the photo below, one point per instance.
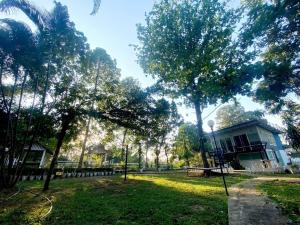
[{"x": 114, "y": 29}]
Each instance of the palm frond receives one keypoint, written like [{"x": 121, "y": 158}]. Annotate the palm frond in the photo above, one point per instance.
[
  {"x": 39, "y": 17},
  {"x": 19, "y": 42},
  {"x": 19, "y": 32},
  {"x": 96, "y": 7}
]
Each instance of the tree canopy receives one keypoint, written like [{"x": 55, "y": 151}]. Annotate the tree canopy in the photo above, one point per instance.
[
  {"x": 230, "y": 115},
  {"x": 192, "y": 49},
  {"x": 66, "y": 84},
  {"x": 272, "y": 27}
]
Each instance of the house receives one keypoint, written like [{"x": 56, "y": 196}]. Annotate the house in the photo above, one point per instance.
[
  {"x": 253, "y": 145},
  {"x": 100, "y": 150},
  {"x": 37, "y": 156}
]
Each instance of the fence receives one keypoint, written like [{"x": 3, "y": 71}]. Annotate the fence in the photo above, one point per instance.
[{"x": 40, "y": 174}]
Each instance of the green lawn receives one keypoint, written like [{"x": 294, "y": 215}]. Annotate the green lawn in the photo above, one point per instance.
[
  {"x": 287, "y": 194},
  {"x": 147, "y": 199}
]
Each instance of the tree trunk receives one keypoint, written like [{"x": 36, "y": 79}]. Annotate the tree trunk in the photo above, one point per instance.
[
  {"x": 201, "y": 134},
  {"x": 157, "y": 152},
  {"x": 157, "y": 161},
  {"x": 84, "y": 143},
  {"x": 60, "y": 138},
  {"x": 167, "y": 156},
  {"x": 20, "y": 167},
  {"x": 18, "y": 112},
  {"x": 9, "y": 134},
  {"x": 146, "y": 159},
  {"x": 123, "y": 145},
  {"x": 140, "y": 156},
  {"x": 187, "y": 162}
]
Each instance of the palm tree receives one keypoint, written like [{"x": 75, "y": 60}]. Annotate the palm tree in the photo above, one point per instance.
[
  {"x": 35, "y": 14},
  {"x": 17, "y": 61},
  {"x": 39, "y": 17},
  {"x": 29, "y": 54},
  {"x": 17, "y": 57}
]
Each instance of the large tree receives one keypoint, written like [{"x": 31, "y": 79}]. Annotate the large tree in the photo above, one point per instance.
[
  {"x": 273, "y": 28},
  {"x": 190, "y": 46},
  {"x": 230, "y": 115},
  {"x": 101, "y": 71}
]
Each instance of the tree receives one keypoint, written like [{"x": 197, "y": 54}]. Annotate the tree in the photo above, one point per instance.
[
  {"x": 102, "y": 71},
  {"x": 21, "y": 58},
  {"x": 66, "y": 86},
  {"x": 291, "y": 117},
  {"x": 273, "y": 28},
  {"x": 191, "y": 48},
  {"x": 163, "y": 122},
  {"x": 230, "y": 115},
  {"x": 186, "y": 142}
]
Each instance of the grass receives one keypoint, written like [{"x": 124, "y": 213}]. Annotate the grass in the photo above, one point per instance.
[
  {"x": 296, "y": 175},
  {"x": 144, "y": 199},
  {"x": 287, "y": 194}
]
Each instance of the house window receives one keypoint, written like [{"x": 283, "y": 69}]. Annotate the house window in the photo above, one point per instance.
[
  {"x": 229, "y": 144},
  {"x": 241, "y": 142},
  {"x": 223, "y": 145}
]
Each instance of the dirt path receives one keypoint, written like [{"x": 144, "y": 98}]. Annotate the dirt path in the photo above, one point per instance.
[{"x": 247, "y": 205}]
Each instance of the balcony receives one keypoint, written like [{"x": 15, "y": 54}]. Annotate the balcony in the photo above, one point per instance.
[
  {"x": 229, "y": 155},
  {"x": 253, "y": 147}
]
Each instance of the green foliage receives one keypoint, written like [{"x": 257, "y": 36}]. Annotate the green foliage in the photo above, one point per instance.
[
  {"x": 38, "y": 17},
  {"x": 230, "y": 115},
  {"x": 291, "y": 118},
  {"x": 67, "y": 84},
  {"x": 190, "y": 46},
  {"x": 273, "y": 27},
  {"x": 186, "y": 143}
]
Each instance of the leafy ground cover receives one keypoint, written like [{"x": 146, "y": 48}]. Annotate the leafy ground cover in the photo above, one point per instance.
[
  {"x": 144, "y": 199},
  {"x": 287, "y": 194}
]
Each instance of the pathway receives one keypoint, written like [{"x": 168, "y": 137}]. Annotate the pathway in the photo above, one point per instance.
[{"x": 249, "y": 206}]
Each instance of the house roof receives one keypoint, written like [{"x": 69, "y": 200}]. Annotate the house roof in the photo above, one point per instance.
[
  {"x": 38, "y": 147},
  {"x": 97, "y": 149},
  {"x": 250, "y": 123}
]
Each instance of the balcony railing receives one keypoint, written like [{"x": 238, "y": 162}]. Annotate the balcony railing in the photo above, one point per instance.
[{"x": 253, "y": 147}]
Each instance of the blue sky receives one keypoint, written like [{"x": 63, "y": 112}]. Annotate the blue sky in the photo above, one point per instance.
[{"x": 114, "y": 29}]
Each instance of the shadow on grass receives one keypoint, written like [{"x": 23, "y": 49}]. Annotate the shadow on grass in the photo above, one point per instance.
[
  {"x": 159, "y": 199},
  {"x": 212, "y": 180}
]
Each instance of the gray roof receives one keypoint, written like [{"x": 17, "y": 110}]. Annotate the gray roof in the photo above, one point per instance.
[
  {"x": 38, "y": 147},
  {"x": 259, "y": 123},
  {"x": 97, "y": 149}
]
